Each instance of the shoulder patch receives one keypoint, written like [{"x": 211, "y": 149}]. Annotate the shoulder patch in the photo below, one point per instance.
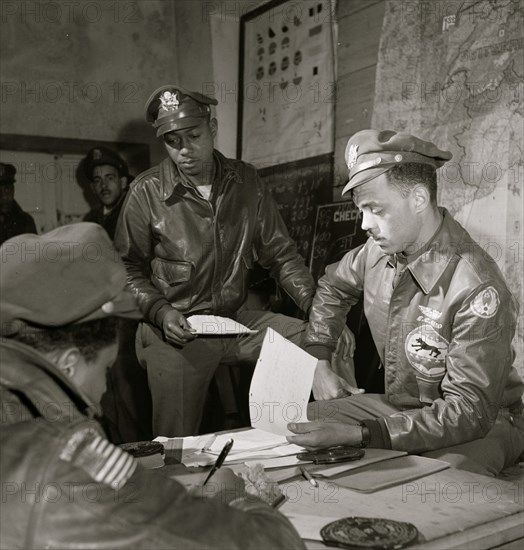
[
  {"x": 99, "y": 458},
  {"x": 486, "y": 303}
]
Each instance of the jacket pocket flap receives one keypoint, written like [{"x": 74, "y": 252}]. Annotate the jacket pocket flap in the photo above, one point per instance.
[{"x": 172, "y": 272}]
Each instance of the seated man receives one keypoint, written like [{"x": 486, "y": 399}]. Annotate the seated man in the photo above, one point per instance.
[
  {"x": 441, "y": 316},
  {"x": 109, "y": 176},
  {"x": 63, "y": 484}
]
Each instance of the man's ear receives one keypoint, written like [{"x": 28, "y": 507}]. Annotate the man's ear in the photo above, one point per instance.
[
  {"x": 421, "y": 197},
  {"x": 68, "y": 361},
  {"x": 123, "y": 182},
  {"x": 213, "y": 125}
]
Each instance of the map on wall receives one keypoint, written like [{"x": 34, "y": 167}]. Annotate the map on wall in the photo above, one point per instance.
[
  {"x": 288, "y": 84},
  {"x": 453, "y": 73}
]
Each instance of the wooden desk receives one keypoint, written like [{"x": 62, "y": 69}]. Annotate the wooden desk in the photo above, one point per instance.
[{"x": 451, "y": 509}]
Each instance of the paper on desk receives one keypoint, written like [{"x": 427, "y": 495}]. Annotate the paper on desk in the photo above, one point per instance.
[
  {"x": 213, "y": 325},
  {"x": 281, "y": 385},
  {"x": 308, "y": 527},
  {"x": 252, "y": 444}
]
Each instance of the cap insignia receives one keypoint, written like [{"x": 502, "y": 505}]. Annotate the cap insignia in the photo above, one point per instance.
[
  {"x": 398, "y": 158},
  {"x": 169, "y": 101},
  {"x": 352, "y": 156},
  {"x": 97, "y": 154}
]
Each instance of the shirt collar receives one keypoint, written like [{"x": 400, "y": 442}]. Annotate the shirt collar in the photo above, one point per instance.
[{"x": 173, "y": 182}]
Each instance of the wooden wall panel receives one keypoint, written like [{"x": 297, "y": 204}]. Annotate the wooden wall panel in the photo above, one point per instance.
[{"x": 359, "y": 29}]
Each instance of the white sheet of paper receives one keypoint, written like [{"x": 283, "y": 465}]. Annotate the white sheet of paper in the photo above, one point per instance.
[
  {"x": 281, "y": 385},
  {"x": 309, "y": 527},
  {"x": 213, "y": 325}
]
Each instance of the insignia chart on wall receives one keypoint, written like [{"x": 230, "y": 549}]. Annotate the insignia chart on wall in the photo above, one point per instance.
[{"x": 287, "y": 68}]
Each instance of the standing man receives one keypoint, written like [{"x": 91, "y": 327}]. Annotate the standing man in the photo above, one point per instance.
[
  {"x": 440, "y": 313},
  {"x": 190, "y": 231},
  {"x": 13, "y": 220},
  {"x": 109, "y": 176},
  {"x": 58, "y": 339}
]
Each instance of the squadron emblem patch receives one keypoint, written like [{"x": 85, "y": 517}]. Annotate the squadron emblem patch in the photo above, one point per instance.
[{"x": 486, "y": 303}]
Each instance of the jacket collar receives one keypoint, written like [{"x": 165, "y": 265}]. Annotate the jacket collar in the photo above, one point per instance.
[
  {"x": 172, "y": 182},
  {"x": 445, "y": 248}
]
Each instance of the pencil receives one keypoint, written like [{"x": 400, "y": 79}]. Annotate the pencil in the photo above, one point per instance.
[{"x": 308, "y": 476}]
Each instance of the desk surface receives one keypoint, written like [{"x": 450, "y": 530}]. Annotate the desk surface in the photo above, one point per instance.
[{"x": 451, "y": 509}]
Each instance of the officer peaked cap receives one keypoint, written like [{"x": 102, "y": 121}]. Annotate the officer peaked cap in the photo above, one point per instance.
[
  {"x": 370, "y": 153},
  {"x": 172, "y": 108}
]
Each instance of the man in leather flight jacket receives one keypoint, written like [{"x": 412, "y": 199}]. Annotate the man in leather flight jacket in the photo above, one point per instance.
[
  {"x": 64, "y": 485},
  {"x": 441, "y": 316},
  {"x": 190, "y": 231}
]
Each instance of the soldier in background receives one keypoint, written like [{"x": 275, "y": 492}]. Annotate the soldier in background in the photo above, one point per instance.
[
  {"x": 109, "y": 177},
  {"x": 127, "y": 403},
  {"x": 13, "y": 220}
]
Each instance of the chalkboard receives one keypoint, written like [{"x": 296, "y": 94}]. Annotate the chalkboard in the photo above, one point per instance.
[
  {"x": 337, "y": 231},
  {"x": 298, "y": 188}
]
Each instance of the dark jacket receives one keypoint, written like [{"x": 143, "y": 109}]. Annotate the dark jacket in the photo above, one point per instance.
[
  {"x": 448, "y": 358},
  {"x": 65, "y": 486},
  {"x": 107, "y": 221},
  {"x": 184, "y": 251},
  {"x": 16, "y": 222}
]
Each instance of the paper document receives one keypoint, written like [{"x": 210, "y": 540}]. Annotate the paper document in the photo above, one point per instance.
[
  {"x": 213, "y": 325},
  {"x": 309, "y": 527},
  {"x": 279, "y": 394},
  {"x": 281, "y": 385}
]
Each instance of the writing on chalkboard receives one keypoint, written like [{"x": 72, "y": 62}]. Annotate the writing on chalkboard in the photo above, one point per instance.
[
  {"x": 298, "y": 188},
  {"x": 337, "y": 231}
]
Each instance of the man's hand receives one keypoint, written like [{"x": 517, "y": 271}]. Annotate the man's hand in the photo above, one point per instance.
[
  {"x": 346, "y": 345},
  {"x": 328, "y": 385},
  {"x": 176, "y": 328},
  {"x": 324, "y": 433},
  {"x": 224, "y": 484}
]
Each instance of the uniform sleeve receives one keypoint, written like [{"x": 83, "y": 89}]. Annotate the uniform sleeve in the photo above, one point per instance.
[
  {"x": 153, "y": 511},
  {"x": 479, "y": 360},
  {"x": 134, "y": 242},
  {"x": 278, "y": 253},
  {"x": 338, "y": 290}
]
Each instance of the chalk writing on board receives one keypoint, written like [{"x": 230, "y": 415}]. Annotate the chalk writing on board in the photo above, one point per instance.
[
  {"x": 298, "y": 188},
  {"x": 337, "y": 231}
]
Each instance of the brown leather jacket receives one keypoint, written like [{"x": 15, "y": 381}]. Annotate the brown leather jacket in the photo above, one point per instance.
[
  {"x": 450, "y": 323},
  {"x": 65, "y": 486},
  {"x": 183, "y": 250}
]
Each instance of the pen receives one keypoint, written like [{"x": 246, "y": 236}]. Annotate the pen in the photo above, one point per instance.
[
  {"x": 308, "y": 476},
  {"x": 220, "y": 460},
  {"x": 277, "y": 502}
]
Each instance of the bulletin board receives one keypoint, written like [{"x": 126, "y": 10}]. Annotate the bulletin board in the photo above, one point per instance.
[{"x": 287, "y": 82}]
